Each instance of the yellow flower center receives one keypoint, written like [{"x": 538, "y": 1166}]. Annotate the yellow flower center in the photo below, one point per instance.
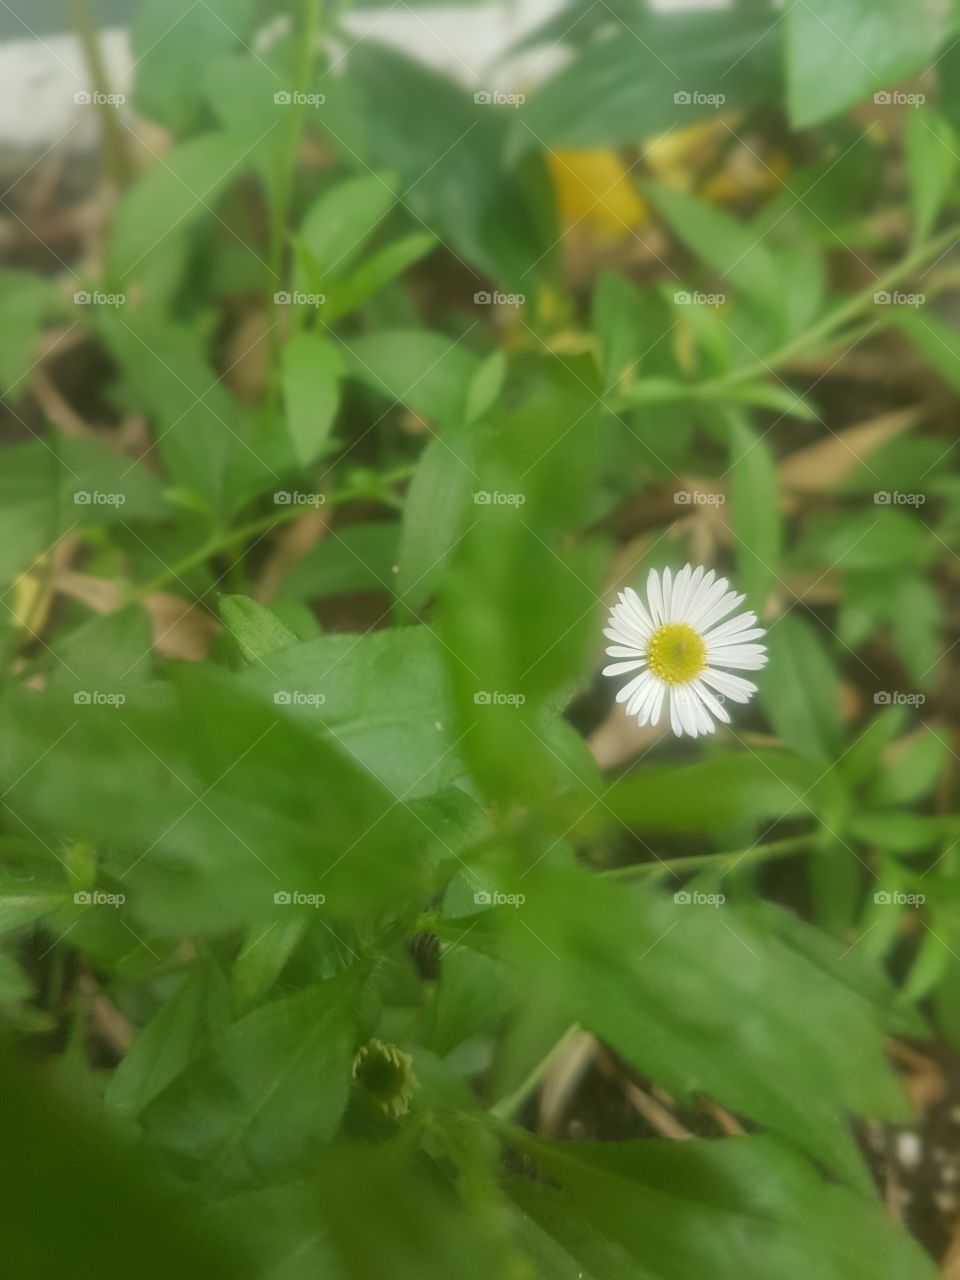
[{"x": 676, "y": 653}]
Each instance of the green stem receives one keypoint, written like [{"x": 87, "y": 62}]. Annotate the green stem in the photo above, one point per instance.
[
  {"x": 722, "y": 862},
  {"x": 312, "y": 18},
  {"x": 228, "y": 537},
  {"x": 512, "y": 1102},
  {"x": 828, "y": 325},
  {"x": 116, "y": 156}
]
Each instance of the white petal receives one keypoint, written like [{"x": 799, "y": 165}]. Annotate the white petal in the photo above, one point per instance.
[
  {"x": 642, "y": 694},
  {"x": 731, "y": 627},
  {"x": 719, "y": 610},
  {"x": 747, "y": 657},
  {"x": 621, "y": 668},
  {"x": 706, "y": 599},
  {"x": 633, "y": 602},
  {"x": 739, "y": 637},
  {"x": 654, "y": 599},
  {"x": 687, "y": 711},
  {"x": 706, "y": 720},
  {"x": 631, "y": 685},
  {"x": 680, "y": 583},
  {"x": 666, "y": 592},
  {"x": 699, "y": 585},
  {"x": 734, "y": 687},
  {"x": 622, "y": 617},
  {"x": 710, "y": 702},
  {"x": 656, "y": 705},
  {"x": 623, "y": 651},
  {"x": 676, "y": 724},
  {"x": 619, "y": 636}
]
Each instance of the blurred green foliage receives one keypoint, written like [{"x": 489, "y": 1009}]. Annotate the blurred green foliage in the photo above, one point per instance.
[{"x": 293, "y": 741}]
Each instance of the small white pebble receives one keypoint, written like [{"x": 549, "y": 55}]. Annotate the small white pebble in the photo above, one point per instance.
[{"x": 909, "y": 1149}]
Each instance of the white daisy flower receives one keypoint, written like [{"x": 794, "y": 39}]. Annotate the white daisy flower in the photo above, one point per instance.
[{"x": 676, "y": 643}]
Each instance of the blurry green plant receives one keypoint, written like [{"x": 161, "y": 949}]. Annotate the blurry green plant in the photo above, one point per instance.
[{"x": 248, "y": 902}]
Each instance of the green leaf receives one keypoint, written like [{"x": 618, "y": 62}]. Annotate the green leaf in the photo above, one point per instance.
[
  {"x": 841, "y": 51},
  {"x": 25, "y": 302},
  {"x": 311, "y": 371},
  {"x": 51, "y": 486},
  {"x": 262, "y": 958},
  {"x": 767, "y": 395},
  {"x": 912, "y": 770},
  {"x": 359, "y": 558},
  {"x": 627, "y": 964},
  {"x": 757, "y": 523},
  {"x": 424, "y": 1231},
  {"x": 194, "y": 1017},
  {"x": 434, "y": 513},
  {"x": 685, "y": 1209},
  {"x": 338, "y": 224},
  {"x": 346, "y": 295},
  {"x": 280, "y": 802},
  {"x": 800, "y": 690},
  {"x": 932, "y": 162},
  {"x": 938, "y": 341},
  {"x": 900, "y": 832},
  {"x": 104, "y": 653},
  {"x": 425, "y": 371},
  {"x": 715, "y": 795},
  {"x": 449, "y": 153},
  {"x": 485, "y": 387},
  {"x": 272, "y": 1088},
  {"x": 381, "y": 697},
  {"x": 174, "y": 41},
  {"x": 624, "y": 87},
  {"x": 200, "y": 431},
  {"x": 731, "y": 248},
  {"x": 621, "y": 320},
  {"x": 103, "y": 1215},
  {"x": 254, "y": 629},
  {"x": 181, "y": 188},
  {"x": 518, "y": 609}
]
